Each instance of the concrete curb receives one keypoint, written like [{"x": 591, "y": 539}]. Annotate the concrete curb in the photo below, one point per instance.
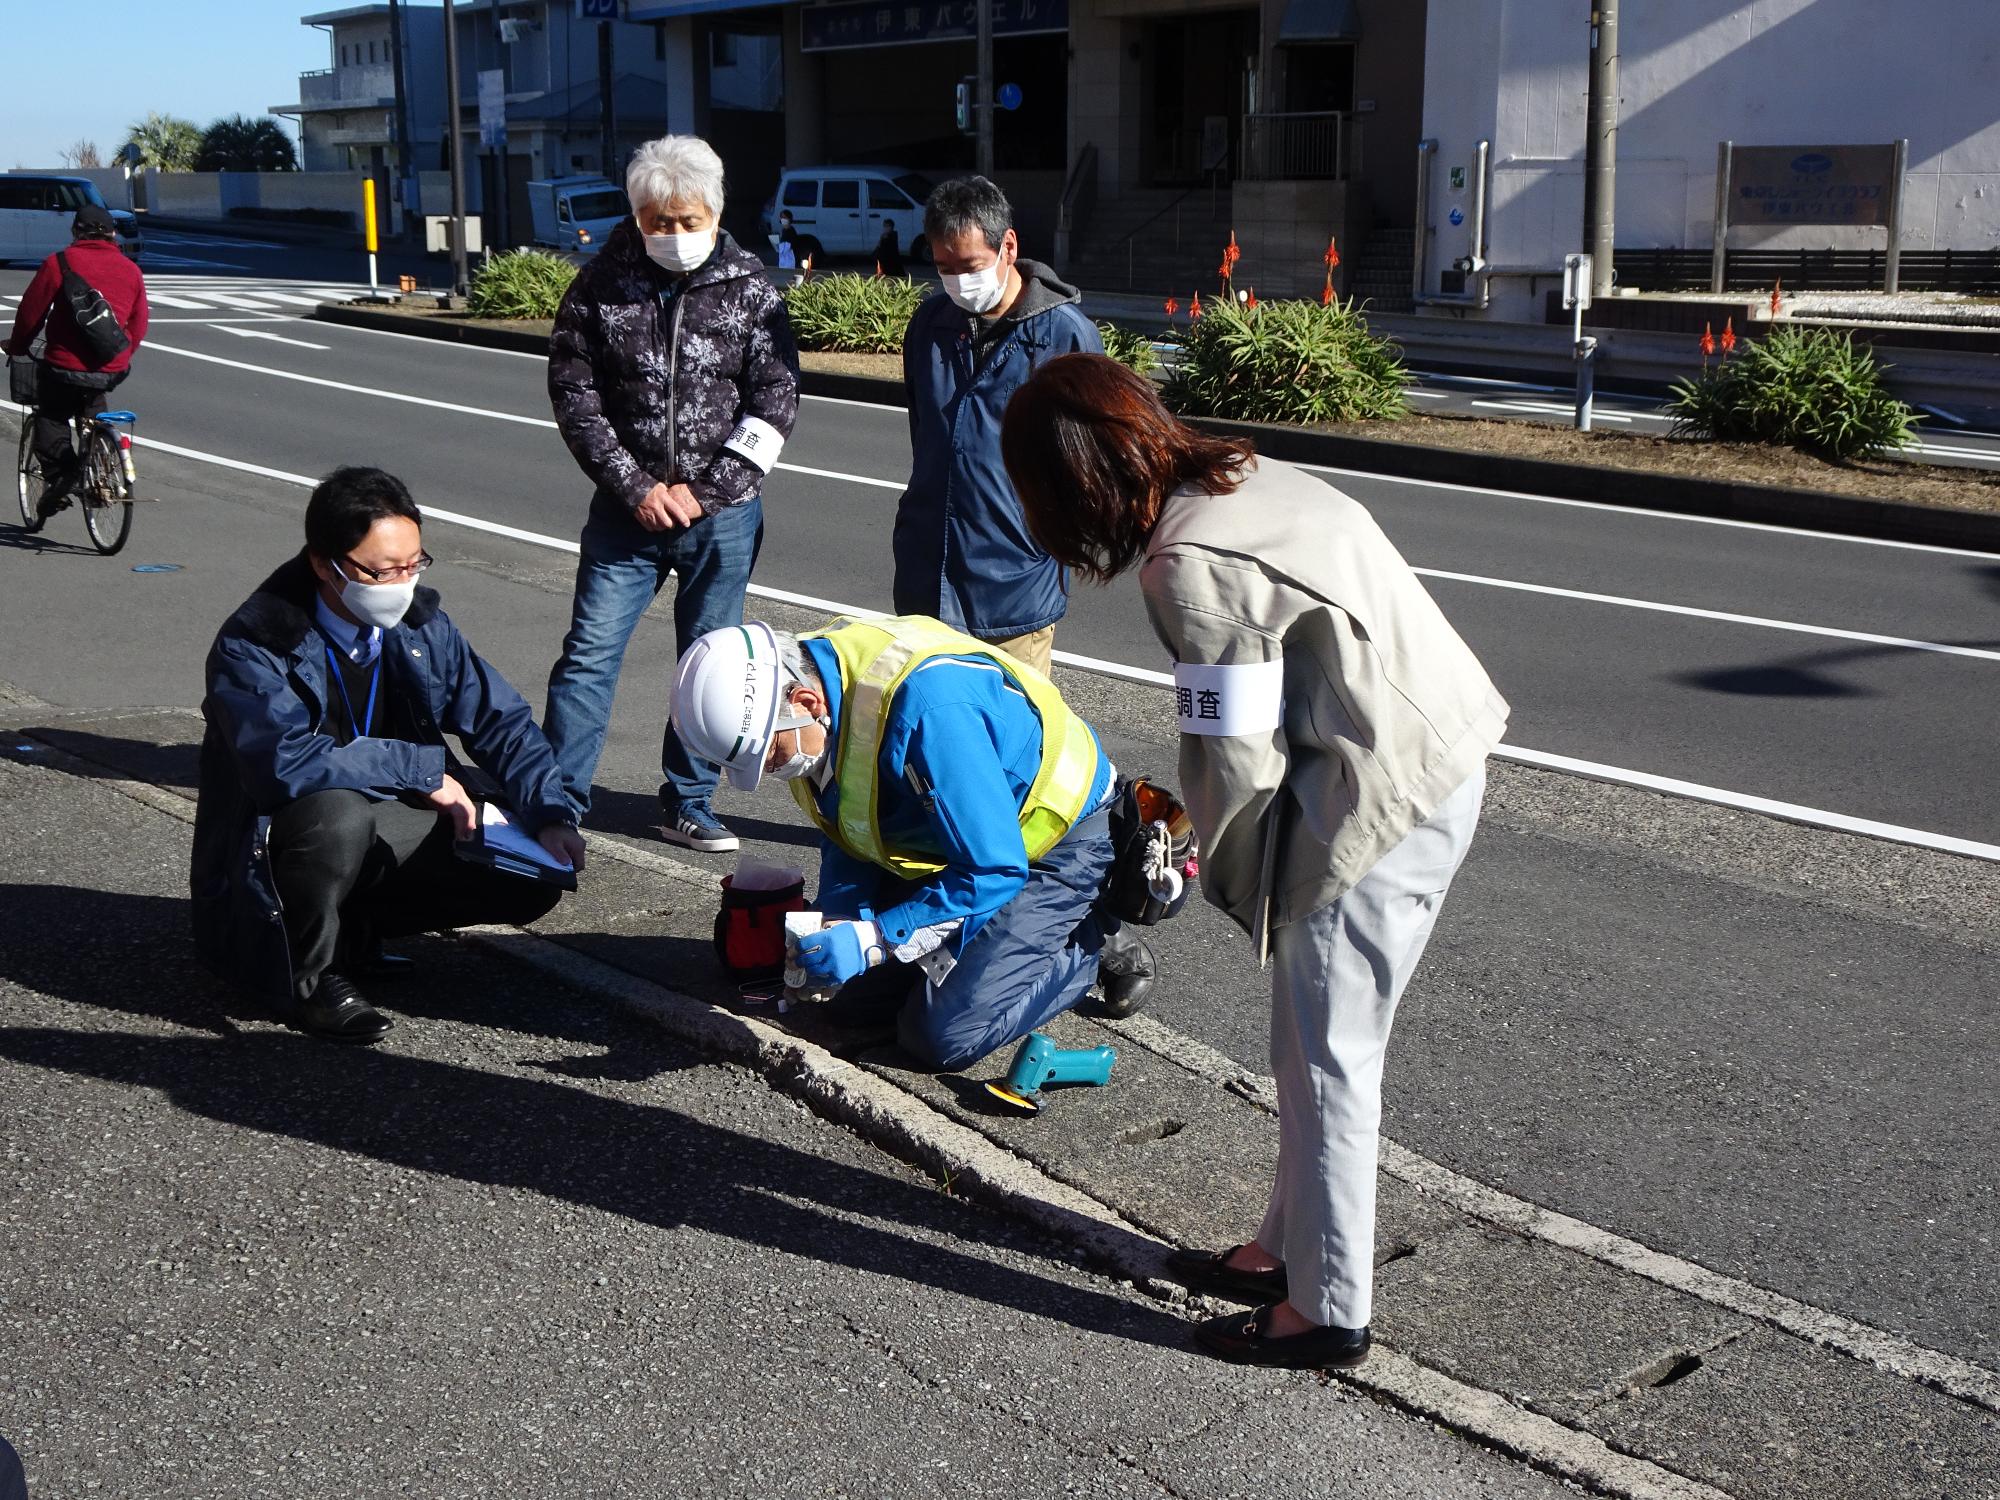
[
  {"x": 969, "y": 1163},
  {"x": 1805, "y": 510}
]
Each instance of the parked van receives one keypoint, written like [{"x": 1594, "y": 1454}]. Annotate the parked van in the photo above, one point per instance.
[
  {"x": 35, "y": 211},
  {"x": 575, "y": 215},
  {"x": 842, "y": 211}
]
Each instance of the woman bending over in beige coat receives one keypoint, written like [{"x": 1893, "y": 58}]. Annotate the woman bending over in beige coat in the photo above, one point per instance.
[{"x": 1334, "y": 735}]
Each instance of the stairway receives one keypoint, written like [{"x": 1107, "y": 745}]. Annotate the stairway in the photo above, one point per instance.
[
  {"x": 1380, "y": 275},
  {"x": 1179, "y": 242}
]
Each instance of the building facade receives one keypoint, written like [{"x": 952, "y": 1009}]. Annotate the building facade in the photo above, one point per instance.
[{"x": 1808, "y": 74}]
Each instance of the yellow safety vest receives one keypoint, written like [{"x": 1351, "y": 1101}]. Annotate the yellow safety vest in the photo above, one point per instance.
[{"x": 875, "y": 657}]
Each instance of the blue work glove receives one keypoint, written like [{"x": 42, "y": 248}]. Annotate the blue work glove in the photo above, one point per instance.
[{"x": 836, "y": 954}]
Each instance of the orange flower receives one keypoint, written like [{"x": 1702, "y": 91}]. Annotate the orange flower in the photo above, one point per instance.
[
  {"x": 1251, "y": 301},
  {"x": 1172, "y": 306},
  {"x": 1777, "y": 295},
  {"x": 1332, "y": 256},
  {"x": 1194, "y": 309},
  {"x": 1707, "y": 339},
  {"x": 878, "y": 270},
  {"x": 1326, "y": 295},
  {"x": 1729, "y": 337}
]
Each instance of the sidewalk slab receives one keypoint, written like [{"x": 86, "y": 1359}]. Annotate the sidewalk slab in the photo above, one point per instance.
[{"x": 1602, "y": 1351}]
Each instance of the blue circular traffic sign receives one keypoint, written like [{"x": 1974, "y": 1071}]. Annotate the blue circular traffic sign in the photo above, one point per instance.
[
  {"x": 1009, "y": 96},
  {"x": 1457, "y": 217}
]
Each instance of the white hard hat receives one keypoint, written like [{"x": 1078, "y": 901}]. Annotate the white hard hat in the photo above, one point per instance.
[{"x": 726, "y": 699}]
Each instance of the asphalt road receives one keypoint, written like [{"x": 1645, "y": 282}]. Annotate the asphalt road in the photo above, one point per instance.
[
  {"x": 1726, "y": 1038},
  {"x": 529, "y": 1248},
  {"x": 1801, "y": 694}
]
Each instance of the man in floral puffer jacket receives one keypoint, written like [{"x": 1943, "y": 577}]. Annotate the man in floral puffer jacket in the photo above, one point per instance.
[{"x": 675, "y": 381}]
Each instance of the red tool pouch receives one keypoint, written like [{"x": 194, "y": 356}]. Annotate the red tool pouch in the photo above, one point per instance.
[{"x": 750, "y": 929}]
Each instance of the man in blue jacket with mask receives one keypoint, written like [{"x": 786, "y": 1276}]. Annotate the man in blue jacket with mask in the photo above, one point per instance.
[
  {"x": 329, "y": 806},
  {"x": 963, "y": 551}
]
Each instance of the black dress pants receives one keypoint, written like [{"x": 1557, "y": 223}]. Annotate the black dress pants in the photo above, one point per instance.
[
  {"x": 351, "y": 871},
  {"x": 57, "y": 401}
]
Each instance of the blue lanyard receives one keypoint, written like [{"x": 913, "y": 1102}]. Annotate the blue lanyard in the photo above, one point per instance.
[{"x": 363, "y": 725}]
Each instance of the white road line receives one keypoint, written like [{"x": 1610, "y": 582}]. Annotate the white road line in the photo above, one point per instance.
[
  {"x": 359, "y": 390},
  {"x": 391, "y": 333},
  {"x": 258, "y": 333},
  {"x": 163, "y": 299},
  {"x": 1982, "y": 455},
  {"x": 1538, "y": 409},
  {"x": 1790, "y": 812},
  {"x": 1651, "y": 515},
  {"x": 1727, "y": 618}
]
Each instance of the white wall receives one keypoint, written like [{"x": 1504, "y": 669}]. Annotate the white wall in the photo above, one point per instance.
[{"x": 1694, "y": 73}]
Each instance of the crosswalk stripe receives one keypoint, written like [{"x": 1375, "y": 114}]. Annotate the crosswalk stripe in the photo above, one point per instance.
[{"x": 163, "y": 299}]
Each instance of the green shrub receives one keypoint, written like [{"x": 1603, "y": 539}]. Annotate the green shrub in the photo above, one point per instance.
[
  {"x": 521, "y": 284},
  {"x": 1806, "y": 387},
  {"x": 849, "y": 314},
  {"x": 1293, "y": 362},
  {"x": 1131, "y": 349}
]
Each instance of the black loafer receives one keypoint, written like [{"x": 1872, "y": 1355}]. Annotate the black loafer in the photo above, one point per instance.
[
  {"x": 1210, "y": 1271},
  {"x": 1125, "y": 973},
  {"x": 1240, "y": 1339},
  {"x": 340, "y": 1013}
]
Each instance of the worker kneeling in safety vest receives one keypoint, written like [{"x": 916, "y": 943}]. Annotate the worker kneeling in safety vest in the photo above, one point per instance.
[{"x": 964, "y": 820}]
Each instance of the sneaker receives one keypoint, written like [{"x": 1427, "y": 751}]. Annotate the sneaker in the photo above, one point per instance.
[
  {"x": 1125, "y": 973},
  {"x": 695, "y": 827}
]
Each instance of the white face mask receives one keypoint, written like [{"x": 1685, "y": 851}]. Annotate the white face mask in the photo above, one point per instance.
[
  {"x": 977, "y": 292},
  {"x": 377, "y": 604},
  {"x": 802, "y": 764},
  {"x": 680, "y": 253}
]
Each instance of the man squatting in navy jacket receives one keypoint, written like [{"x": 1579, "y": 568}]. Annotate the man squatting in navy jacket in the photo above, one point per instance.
[
  {"x": 329, "y": 803},
  {"x": 964, "y": 819}
]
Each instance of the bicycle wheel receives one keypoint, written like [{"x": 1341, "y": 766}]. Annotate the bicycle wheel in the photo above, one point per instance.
[
  {"x": 28, "y": 476},
  {"x": 107, "y": 514}
]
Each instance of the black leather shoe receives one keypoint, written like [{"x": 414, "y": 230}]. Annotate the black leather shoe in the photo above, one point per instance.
[
  {"x": 1210, "y": 1271},
  {"x": 340, "y": 1013},
  {"x": 1125, "y": 974},
  {"x": 1240, "y": 1339}
]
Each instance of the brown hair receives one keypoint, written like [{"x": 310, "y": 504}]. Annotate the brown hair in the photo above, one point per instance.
[{"x": 1094, "y": 453}]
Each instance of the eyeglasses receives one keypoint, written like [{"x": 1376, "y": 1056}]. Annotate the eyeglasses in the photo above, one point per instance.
[{"x": 391, "y": 575}]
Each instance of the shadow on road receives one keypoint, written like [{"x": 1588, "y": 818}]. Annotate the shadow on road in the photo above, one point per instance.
[
  {"x": 636, "y": 815},
  {"x": 643, "y": 1161}
]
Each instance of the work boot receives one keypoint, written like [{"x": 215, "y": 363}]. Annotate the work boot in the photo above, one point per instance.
[{"x": 1125, "y": 973}]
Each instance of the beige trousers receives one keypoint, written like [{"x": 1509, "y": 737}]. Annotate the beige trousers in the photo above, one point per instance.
[{"x": 1037, "y": 648}]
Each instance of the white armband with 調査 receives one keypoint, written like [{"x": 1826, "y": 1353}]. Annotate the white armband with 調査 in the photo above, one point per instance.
[
  {"x": 1248, "y": 698},
  {"x": 756, "y": 441}
]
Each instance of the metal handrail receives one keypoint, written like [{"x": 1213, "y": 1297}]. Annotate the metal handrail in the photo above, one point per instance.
[
  {"x": 1131, "y": 240},
  {"x": 1079, "y": 200}
]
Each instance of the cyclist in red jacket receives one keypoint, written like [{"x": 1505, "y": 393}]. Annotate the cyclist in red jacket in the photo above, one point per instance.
[{"x": 72, "y": 383}]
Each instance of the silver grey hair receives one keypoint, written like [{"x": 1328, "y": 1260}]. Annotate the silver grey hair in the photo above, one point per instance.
[
  {"x": 967, "y": 203},
  {"x": 795, "y": 669},
  {"x": 674, "y": 166}
]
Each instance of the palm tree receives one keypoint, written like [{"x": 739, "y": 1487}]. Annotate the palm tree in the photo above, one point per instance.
[
  {"x": 165, "y": 143},
  {"x": 237, "y": 143}
]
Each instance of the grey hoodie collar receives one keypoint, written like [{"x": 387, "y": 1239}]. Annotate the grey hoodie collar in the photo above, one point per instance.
[{"x": 1041, "y": 290}]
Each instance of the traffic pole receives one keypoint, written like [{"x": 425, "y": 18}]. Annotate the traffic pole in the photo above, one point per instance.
[{"x": 368, "y": 226}]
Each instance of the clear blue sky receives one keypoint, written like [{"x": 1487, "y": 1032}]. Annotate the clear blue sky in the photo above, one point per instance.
[{"x": 86, "y": 69}]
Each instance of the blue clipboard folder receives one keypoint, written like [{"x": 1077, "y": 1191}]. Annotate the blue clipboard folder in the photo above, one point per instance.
[{"x": 505, "y": 847}]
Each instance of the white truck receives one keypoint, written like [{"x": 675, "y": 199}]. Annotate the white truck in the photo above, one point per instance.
[{"x": 575, "y": 215}]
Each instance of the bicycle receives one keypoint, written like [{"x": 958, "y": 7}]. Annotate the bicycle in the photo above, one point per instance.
[{"x": 105, "y": 488}]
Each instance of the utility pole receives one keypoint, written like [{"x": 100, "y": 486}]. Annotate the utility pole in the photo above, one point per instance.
[
  {"x": 982, "y": 90},
  {"x": 1600, "y": 162},
  {"x": 406, "y": 174},
  {"x": 498, "y": 207},
  {"x": 608, "y": 113},
  {"x": 459, "y": 280}
]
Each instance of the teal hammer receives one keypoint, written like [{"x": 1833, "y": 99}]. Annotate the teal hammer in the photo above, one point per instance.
[{"x": 1040, "y": 1062}]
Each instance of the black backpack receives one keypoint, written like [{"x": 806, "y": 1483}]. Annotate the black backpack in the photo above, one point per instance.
[{"x": 103, "y": 337}]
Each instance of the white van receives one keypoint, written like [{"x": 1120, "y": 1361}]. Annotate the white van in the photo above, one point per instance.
[
  {"x": 35, "y": 211},
  {"x": 842, "y": 211},
  {"x": 575, "y": 215}
]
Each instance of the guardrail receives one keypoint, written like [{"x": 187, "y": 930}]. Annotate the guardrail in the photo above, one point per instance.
[{"x": 1323, "y": 145}]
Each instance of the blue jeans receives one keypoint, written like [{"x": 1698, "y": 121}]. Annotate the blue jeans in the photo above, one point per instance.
[
  {"x": 623, "y": 566},
  {"x": 1033, "y": 959}
]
